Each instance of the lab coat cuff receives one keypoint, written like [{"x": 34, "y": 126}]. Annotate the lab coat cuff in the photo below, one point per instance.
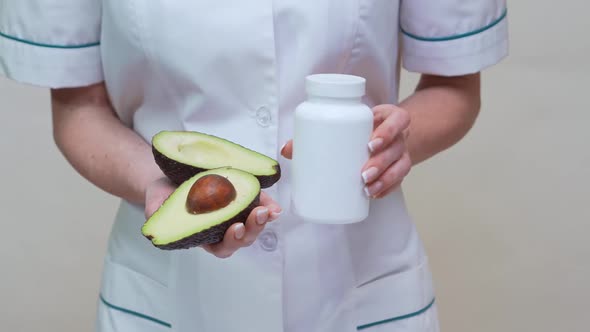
[
  {"x": 456, "y": 55},
  {"x": 51, "y": 67}
]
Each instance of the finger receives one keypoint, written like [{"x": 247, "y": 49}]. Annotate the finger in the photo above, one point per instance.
[
  {"x": 390, "y": 128},
  {"x": 207, "y": 248},
  {"x": 151, "y": 207},
  {"x": 380, "y": 162},
  {"x": 254, "y": 225},
  {"x": 384, "y": 193},
  {"x": 266, "y": 199},
  {"x": 274, "y": 207},
  {"x": 287, "y": 150},
  {"x": 391, "y": 177},
  {"x": 380, "y": 113},
  {"x": 156, "y": 195},
  {"x": 230, "y": 243},
  {"x": 161, "y": 195}
]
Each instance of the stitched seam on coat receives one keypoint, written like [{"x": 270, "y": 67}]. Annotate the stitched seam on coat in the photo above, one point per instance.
[
  {"x": 458, "y": 36},
  {"x": 355, "y": 38},
  {"x": 33, "y": 43},
  {"x": 475, "y": 52},
  {"x": 389, "y": 320},
  {"x": 134, "y": 313}
]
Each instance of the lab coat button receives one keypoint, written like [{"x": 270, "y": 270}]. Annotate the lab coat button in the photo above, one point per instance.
[
  {"x": 268, "y": 241},
  {"x": 263, "y": 117}
]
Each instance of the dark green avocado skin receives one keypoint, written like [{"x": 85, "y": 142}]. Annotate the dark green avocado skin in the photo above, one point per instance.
[
  {"x": 211, "y": 235},
  {"x": 179, "y": 172}
]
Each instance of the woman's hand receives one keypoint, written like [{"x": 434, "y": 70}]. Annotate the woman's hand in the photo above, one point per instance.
[
  {"x": 390, "y": 161},
  {"x": 156, "y": 193},
  {"x": 239, "y": 235}
]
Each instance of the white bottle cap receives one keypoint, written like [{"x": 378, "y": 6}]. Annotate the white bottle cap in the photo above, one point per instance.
[{"x": 335, "y": 86}]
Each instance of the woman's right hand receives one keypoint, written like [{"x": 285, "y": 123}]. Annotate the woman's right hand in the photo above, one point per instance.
[
  {"x": 239, "y": 235},
  {"x": 81, "y": 116},
  {"x": 156, "y": 193}
]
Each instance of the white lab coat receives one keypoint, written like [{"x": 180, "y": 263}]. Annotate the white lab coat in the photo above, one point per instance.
[{"x": 236, "y": 69}]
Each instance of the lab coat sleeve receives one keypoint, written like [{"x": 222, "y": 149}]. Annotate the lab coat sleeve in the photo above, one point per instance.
[
  {"x": 453, "y": 37},
  {"x": 51, "y": 43}
]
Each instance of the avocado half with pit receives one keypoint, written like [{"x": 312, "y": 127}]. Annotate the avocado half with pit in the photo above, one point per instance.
[
  {"x": 202, "y": 208},
  {"x": 183, "y": 154}
]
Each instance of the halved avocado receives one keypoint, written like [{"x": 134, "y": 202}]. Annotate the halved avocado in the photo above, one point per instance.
[
  {"x": 182, "y": 154},
  {"x": 174, "y": 226}
]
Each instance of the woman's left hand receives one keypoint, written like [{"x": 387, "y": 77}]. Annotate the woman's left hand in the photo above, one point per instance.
[{"x": 389, "y": 162}]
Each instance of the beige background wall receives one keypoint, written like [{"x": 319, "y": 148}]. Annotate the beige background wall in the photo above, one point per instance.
[{"x": 505, "y": 214}]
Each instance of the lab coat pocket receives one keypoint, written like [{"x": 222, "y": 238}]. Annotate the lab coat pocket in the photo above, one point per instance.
[
  {"x": 131, "y": 301},
  {"x": 394, "y": 297}
]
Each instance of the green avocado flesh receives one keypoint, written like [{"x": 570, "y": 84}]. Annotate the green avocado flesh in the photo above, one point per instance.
[
  {"x": 172, "y": 226},
  {"x": 182, "y": 154}
]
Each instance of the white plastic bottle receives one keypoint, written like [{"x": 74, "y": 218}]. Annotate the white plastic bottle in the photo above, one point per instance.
[{"x": 332, "y": 130}]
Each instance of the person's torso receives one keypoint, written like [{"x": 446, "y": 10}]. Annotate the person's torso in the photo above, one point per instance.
[
  {"x": 236, "y": 69},
  {"x": 205, "y": 65}
]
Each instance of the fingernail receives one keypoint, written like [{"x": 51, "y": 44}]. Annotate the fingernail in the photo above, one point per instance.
[
  {"x": 240, "y": 230},
  {"x": 282, "y": 147},
  {"x": 375, "y": 144},
  {"x": 370, "y": 174},
  {"x": 275, "y": 215},
  {"x": 262, "y": 216},
  {"x": 374, "y": 188}
]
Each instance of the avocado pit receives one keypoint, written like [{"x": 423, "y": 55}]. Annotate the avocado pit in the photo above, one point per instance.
[{"x": 210, "y": 193}]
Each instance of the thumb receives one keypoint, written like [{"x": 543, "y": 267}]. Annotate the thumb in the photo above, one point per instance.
[
  {"x": 156, "y": 194},
  {"x": 150, "y": 209},
  {"x": 287, "y": 150}
]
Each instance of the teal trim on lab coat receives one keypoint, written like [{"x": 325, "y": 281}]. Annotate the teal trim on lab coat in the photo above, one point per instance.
[
  {"x": 29, "y": 42},
  {"x": 459, "y": 36},
  {"x": 133, "y": 313},
  {"x": 362, "y": 327},
  {"x": 389, "y": 320}
]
